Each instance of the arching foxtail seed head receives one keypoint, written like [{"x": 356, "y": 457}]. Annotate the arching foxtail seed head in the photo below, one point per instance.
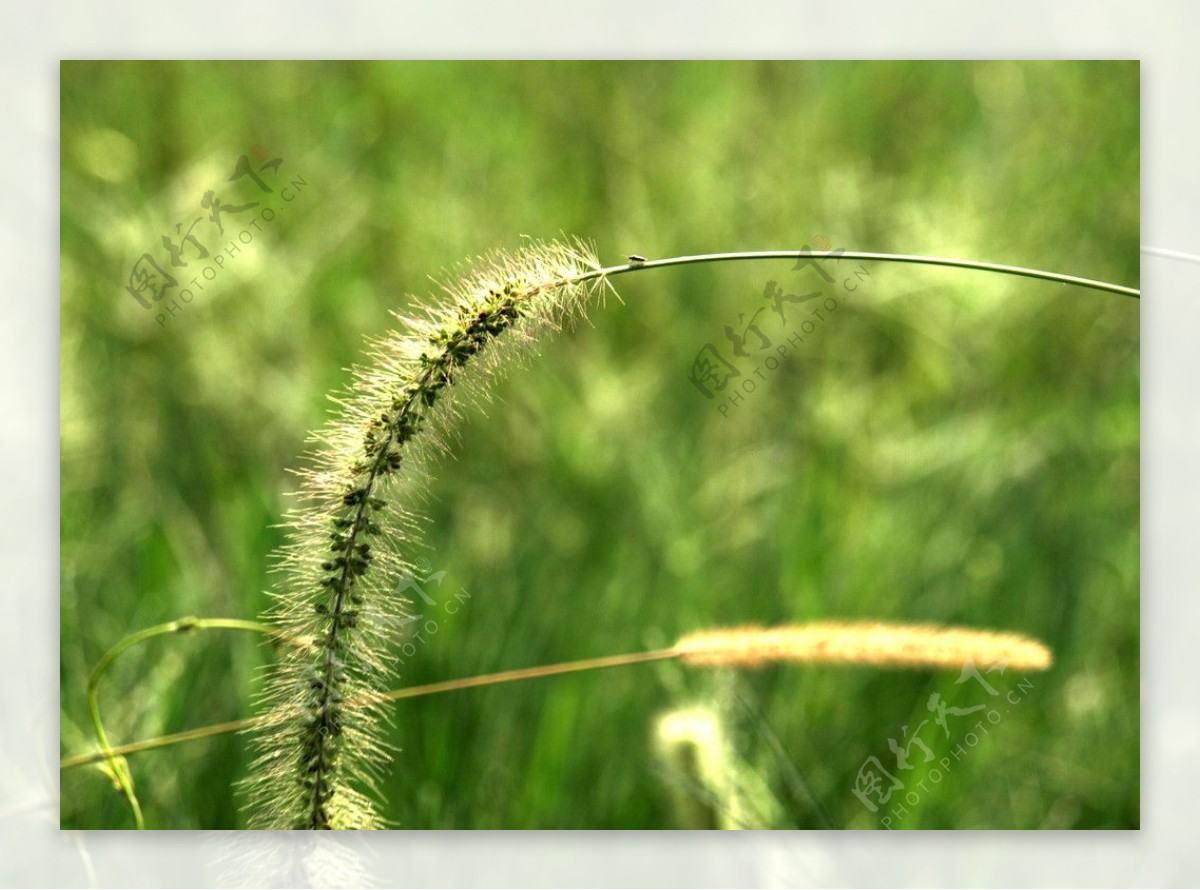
[{"x": 355, "y": 531}]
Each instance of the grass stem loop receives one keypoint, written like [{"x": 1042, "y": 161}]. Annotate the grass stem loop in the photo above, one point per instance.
[
  {"x": 117, "y": 768},
  {"x": 998, "y": 268}
]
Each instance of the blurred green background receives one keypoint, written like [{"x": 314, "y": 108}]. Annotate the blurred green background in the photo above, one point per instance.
[{"x": 948, "y": 446}]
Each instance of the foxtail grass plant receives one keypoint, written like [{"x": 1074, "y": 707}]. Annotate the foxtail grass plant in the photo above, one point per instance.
[
  {"x": 873, "y": 644},
  {"x": 879, "y": 644},
  {"x": 318, "y": 759},
  {"x": 318, "y": 764},
  {"x": 319, "y": 745},
  {"x": 690, "y": 742},
  {"x": 709, "y": 785}
]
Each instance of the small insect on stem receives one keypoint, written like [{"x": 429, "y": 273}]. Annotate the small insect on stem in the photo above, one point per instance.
[{"x": 636, "y": 258}]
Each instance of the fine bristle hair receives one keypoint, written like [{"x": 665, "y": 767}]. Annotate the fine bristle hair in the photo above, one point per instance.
[{"x": 356, "y": 529}]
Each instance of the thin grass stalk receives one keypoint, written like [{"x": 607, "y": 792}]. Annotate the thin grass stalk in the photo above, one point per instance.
[{"x": 874, "y": 644}]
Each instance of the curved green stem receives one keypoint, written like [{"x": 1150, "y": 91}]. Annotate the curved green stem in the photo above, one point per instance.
[
  {"x": 119, "y": 768},
  {"x": 862, "y": 255}
]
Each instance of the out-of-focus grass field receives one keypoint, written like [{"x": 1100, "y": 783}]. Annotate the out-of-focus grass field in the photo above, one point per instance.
[{"x": 948, "y": 446}]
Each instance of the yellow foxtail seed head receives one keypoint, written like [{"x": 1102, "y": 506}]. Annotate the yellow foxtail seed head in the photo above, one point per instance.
[{"x": 878, "y": 644}]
